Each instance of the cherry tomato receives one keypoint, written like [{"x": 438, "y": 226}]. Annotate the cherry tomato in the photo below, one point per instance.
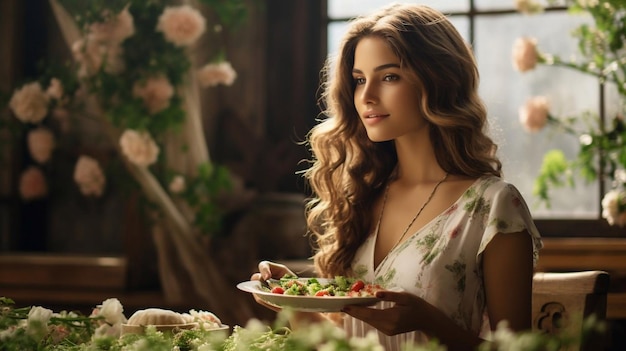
[
  {"x": 322, "y": 293},
  {"x": 278, "y": 290},
  {"x": 357, "y": 285}
]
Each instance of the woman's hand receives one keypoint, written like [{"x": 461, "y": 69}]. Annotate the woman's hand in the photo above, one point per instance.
[
  {"x": 403, "y": 317},
  {"x": 269, "y": 270},
  {"x": 413, "y": 313}
]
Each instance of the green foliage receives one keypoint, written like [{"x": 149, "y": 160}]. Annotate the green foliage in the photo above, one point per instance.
[
  {"x": 554, "y": 172},
  {"x": 202, "y": 193},
  {"x": 93, "y": 10},
  {"x": 230, "y": 12},
  {"x": 602, "y": 150},
  {"x": 17, "y": 334}
]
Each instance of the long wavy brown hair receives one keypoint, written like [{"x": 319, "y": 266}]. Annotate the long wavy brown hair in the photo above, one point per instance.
[{"x": 348, "y": 171}]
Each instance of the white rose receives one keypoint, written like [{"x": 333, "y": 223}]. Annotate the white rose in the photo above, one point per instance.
[
  {"x": 30, "y": 103},
  {"x": 39, "y": 314},
  {"x": 112, "y": 311},
  {"x": 139, "y": 147},
  {"x": 611, "y": 204}
]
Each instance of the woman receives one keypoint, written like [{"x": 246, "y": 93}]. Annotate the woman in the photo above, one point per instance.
[{"x": 408, "y": 188}]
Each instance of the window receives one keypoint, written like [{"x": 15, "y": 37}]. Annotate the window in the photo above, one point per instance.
[{"x": 491, "y": 26}]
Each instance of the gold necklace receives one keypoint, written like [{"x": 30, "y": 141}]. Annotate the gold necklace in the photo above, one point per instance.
[{"x": 432, "y": 193}]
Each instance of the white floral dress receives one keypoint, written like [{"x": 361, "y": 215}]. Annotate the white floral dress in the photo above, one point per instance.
[{"x": 442, "y": 262}]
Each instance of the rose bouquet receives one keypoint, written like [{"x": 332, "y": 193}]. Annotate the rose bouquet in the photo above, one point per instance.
[
  {"x": 132, "y": 85},
  {"x": 602, "y": 143},
  {"x": 133, "y": 70}
]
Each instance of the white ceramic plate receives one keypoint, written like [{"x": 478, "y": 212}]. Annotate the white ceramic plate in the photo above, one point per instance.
[{"x": 305, "y": 303}]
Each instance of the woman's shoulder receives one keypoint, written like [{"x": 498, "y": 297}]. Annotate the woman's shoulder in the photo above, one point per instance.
[{"x": 490, "y": 186}]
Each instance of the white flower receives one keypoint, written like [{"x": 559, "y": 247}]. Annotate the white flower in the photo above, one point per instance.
[
  {"x": 620, "y": 176},
  {"x": 112, "y": 311},
  {"x": 181, "y": 25},
  {"x": 139, "y": 147},
  {"x": 369, "y": 342},
  {"x": 89, "y": 176},
  {"x": 534, "y": 114},
  {"x": 525, "y": 54},
  {"x": 37, "y": 322},
  {"x": 213, "y": 74},
  {"x": 8, "y": 333},
  {"x": 30, "y": 103},
  {"x": 614, "y": 207},
  {"x": 40, "y": 144},
  {"x": 177, "y": 185},
  {"x": 39, "y": 314}
]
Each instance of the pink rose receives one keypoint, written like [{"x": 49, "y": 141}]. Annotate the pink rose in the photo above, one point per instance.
[
  {"x": 33, "y": 184},
  {"x": 534, "y": 115},
  {"x": 155, "y": 92},
  {"x": 525, "y": 54},
  {"x": 40, "y": 143},
  {"x": 30, "y": 103},
  {"x": 55, "y": 89},
  {"x": 89, "y": 177},
  {"x": 139, "y": 147},
  {"x": 181, "y": 25},
  {"x": 213, "y": 74}
]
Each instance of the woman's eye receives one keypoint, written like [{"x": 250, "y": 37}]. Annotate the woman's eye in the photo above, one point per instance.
[
  {"x": 390, "y": 77},
  {"x": 359, "y": 81}
]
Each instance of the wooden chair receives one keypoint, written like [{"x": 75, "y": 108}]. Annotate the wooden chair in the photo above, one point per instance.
[{"x": 561, "y": 301}]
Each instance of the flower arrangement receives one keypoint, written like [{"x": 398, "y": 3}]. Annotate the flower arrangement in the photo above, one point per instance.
[
  {"x": 133, "y": 73},
  {"x": 129, "y": 101},
  {"x": 602, "y": 152},
  {"x": 38, "y": 328}
]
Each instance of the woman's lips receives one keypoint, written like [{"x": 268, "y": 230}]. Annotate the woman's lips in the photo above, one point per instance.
[{"x": 374, "y": 117}]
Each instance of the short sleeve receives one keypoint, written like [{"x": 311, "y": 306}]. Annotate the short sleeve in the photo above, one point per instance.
[{"x": 507, "y": 212}]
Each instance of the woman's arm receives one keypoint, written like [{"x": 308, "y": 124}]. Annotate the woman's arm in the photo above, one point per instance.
[
  {"x": 508, "y": 279},
  {"x": 508, "y": 268}
]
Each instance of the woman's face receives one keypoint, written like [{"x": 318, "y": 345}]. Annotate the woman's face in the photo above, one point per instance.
[{"x": 384, "y": 96}]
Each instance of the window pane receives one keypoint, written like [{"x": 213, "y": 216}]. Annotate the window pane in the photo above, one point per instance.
[
  {"x": 505, "y": 90},
  {"x": 336, "y": 30},
  {"x": 352, "y": 8}
]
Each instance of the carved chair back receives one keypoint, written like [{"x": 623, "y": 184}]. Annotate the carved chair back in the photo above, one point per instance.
[{"x": 562, "y": 301}]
